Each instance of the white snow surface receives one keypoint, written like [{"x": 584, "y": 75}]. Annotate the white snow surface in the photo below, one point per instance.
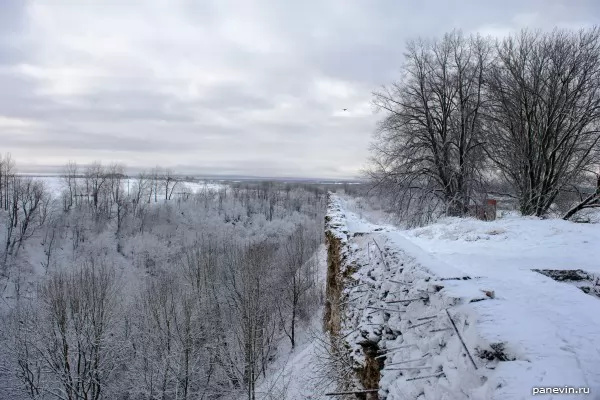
[
  {"x": 548, "y": 332},
  {"x": 294, "y": 373}
]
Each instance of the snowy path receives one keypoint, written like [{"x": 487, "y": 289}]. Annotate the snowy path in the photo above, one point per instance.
[
  {"x": 551, "y": 328},
  {"x": 552, "y": 325},
  {"x": 293, "y": 376}
]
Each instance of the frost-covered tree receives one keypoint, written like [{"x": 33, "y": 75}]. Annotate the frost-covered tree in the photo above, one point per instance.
[
  {"x": 27, "y": 212},
  {"x": 298, "y": 277},
  {"x": 69, "y": 180},
  {"x": 544, "y": 112},
  {"x": 67, "y": 345},
  {"x": 193, "y": 312},
  {"x": 7, "y": 175},
  {"x": 428, "y": 147}
]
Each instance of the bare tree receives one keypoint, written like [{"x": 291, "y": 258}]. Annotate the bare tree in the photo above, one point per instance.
[
  {"x": 28, "y": 205},
  {"x": 428, "y": 148},
  {"x": 53, "y": 235},
  {"x": 118, "y": 201},
  {"x": 169, "y": 182},
  {"x": 168, "y": 341},
  {"x": 298, "y": 278},
  {"x": 23, "y": 351},
  {"x": 2, "y": 182},
  {"x": 587, "y": 201},
  {"x": 71, "y": 341},
  {"x": 334, "y": 366},
  {"x": 141, "y": 188},
  {"x": 7, "y": 176},
  {"x": 95, "y": 179},
  {"x": 544, "y": 115},
  {"x": 155, "y": 176},
  {"x": 70, "y": 181},
  {"x": 247, "y": 288}
]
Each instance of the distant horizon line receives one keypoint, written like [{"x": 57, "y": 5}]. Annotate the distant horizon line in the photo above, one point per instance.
[
  {"x": 182, "y": 171},
  {"x": 217, "y": 177}
]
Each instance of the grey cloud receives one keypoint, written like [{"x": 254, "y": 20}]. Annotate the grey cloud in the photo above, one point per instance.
[
  {"x": 229, "y": 98},
  {"x": 12, "y": 16},
  {"x": 72, "y": 138},
  {"x": 202, "y": 84}
]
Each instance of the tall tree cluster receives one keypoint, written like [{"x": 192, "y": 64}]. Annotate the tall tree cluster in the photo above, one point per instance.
[
  {"x": 139, "y": 288},
  {"x": 470, "y": 113}
]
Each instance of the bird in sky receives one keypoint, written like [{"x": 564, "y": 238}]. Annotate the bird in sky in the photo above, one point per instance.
[{"x": 344, "y": 109}]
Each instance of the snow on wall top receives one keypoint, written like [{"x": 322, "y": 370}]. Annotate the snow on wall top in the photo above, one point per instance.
[
  {"x": 335, "y": 219},
  {"x": 522, "y": 328}
]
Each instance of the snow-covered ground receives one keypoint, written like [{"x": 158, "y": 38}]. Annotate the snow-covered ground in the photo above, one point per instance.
[
  {"x": 294, "y": 374},
  {"x": 553, "y": 326},
  {"x": 523, "y": 329}
]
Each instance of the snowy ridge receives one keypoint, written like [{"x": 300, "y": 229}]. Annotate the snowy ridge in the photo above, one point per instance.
[
  {"x": 417, "y": 310},
  {"x": 336, "y": 220}
]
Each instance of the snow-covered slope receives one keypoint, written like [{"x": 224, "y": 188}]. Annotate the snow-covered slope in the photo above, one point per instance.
[
  {"x": 295, "y": 373},
  {"x": 418, "y": 295}
]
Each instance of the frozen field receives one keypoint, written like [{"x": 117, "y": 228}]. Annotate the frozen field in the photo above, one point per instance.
[{"x": 56, "y": 185}]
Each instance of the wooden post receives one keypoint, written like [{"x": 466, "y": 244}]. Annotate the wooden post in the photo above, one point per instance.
[
  {"x": 381, "y": 254},
  {"x": 352, "y": 392},
  {"x": 406, "y": 300},
  {"x": 385, "y": 309},
  {"x": 440, "y": 330},
  {"x": 409, "y": 361},
  {"x": 427, "y": 376},
  {"x": 461, "y": 339},
  {"x": 406, "y": 346},
  {"x": 400, "y": 283},
  {"x": 408, "y": 368},
  {"x": 394, "y": 350},
  {"x": 421, "y": 324}
]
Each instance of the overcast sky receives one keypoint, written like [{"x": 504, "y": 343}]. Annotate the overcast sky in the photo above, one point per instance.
[{"x": 221, "y": 86}]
